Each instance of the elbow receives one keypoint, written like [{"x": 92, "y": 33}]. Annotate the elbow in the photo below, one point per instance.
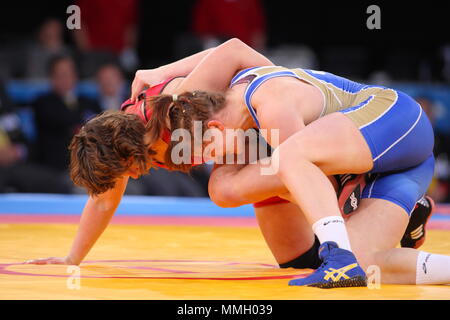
[
  {"x": 218, "y": 196},
  {"x": 102, "y": 204},
  {"x": 223, "y": 201},
  {"x": 224, "y": 195},
  {"x": 234, "y": 43}
]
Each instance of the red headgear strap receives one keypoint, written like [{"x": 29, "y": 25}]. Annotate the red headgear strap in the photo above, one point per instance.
[
  {"x": 145, "y": 114},
  {"x": 139, "y": 108}
]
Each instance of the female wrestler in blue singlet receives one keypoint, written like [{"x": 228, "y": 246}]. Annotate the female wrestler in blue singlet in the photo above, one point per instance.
[{"x": 327, "y": 125}]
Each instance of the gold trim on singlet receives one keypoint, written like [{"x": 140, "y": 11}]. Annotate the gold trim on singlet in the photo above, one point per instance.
[{"x": 379, "y": 99}]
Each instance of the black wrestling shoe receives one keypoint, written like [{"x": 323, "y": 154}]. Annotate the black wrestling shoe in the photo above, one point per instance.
[
  {"x": 415, "y": 233},
  {"x": 350, "y": 187}
]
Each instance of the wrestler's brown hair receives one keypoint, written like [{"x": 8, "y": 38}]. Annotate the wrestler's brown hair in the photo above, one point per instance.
[{"x": 101, "y": 151}]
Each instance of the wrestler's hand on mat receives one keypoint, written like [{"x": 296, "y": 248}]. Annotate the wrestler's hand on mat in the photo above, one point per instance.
[
  {"x": 51, "y": 260},
  {"x": 144, "y": 78}
]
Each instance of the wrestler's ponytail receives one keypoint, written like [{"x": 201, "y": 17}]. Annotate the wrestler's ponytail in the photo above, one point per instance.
[
  {"x": 180, "y": 111},
  {"x": 158, "y": 122}
]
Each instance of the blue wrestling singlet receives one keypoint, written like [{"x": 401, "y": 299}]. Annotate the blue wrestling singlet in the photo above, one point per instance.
[{"x": 396, "y": 129}]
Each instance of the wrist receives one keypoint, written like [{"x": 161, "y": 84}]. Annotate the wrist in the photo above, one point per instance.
[
  {"x": 163, "y": 73},
  {"x": 72, "y": 261}
]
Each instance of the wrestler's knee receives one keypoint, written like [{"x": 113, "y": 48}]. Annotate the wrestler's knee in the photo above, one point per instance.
[{"x": 289, "y": 153}]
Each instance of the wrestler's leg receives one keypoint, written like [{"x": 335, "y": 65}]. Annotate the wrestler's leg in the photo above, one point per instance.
[
  {"x": 379, "y": 223},
  {"x": 287, "y": 232},
  {"x": 288, "y": 235},
  {"x": 375, "y": 229},
  {"x": 308, "y": 156}
]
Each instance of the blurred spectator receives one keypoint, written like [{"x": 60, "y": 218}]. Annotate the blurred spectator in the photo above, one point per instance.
[
  {"x": 112, "y": 89},
  {"x": 217, "y": 20},
  {"x": 49, "y": 43},
  {"x": 17, "y": 174},
  {"x": 12, "y": 141},
  {"x": 109, "y": 25},
  {"x": 440, "y": 187},
  {"x": 59, "y": 114}
]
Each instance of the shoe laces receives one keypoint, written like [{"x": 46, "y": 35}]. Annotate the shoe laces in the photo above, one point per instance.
[{"x": 323, "y": 265}]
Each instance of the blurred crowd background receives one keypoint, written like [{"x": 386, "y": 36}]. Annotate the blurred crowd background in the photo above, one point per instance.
[{"x": 53, "y": 79}]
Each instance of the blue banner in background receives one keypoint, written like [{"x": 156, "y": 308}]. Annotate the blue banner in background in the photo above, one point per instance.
[{"x": 55, "y": 204}]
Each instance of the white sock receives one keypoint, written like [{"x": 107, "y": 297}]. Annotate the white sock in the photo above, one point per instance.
[
  {"x": 432, "y": 269},
  {"x": 332, "y": 229}
]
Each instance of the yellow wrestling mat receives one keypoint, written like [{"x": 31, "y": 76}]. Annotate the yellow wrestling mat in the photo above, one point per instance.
[{"x": 170, "y": 262}]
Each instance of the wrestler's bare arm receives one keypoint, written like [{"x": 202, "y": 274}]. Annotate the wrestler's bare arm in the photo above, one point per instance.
[
  {"x": 209, "y": 70},
  {"x": 96, "y": 216}
]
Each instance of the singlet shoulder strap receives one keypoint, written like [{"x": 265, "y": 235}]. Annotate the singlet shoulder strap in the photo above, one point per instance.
[
  {"x": 261, "y": 74},
  {"x": 242, "y": 74}
]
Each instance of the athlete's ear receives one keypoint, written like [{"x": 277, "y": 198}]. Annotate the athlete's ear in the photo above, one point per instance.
[{"x": 216, "y": 124}]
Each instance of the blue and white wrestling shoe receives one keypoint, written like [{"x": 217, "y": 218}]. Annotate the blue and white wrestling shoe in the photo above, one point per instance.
[{"x": 339, "y": 269}]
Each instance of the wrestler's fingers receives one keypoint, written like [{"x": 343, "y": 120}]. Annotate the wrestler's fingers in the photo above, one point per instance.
[{"x": 136, "y": 87}]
